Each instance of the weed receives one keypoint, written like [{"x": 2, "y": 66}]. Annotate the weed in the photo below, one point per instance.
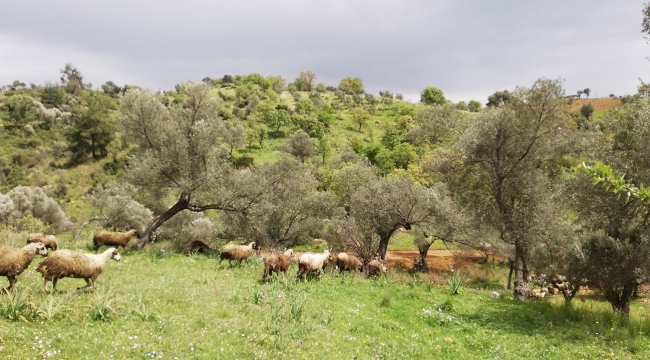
[
  {"x": 456, "y": 285},
  {"x": 385, "y": 301},
  {"x": 13, "y": 305},
  {"x": 51, "y": 308},
  {"x": 297, "y": 308},
  {"x": 101, "y": 307}
]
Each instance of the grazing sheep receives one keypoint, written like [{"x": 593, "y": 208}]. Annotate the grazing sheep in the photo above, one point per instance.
[
  {"x": 538, "y": 294},
  {"x": 14, "y": 261},
  {"x": 312, "y": 262},
  {"x": 48, "y": 240},
  {"x": 237, "y": 252},
  {"x": 278, "y": 263},
  {"x": 115, "y": 239},
  {"x": 375, "y": 267},
  {"x": 199, "y": 247},
  {"x": 347, "y": 262},
  {"x": 66, "y": 263}
]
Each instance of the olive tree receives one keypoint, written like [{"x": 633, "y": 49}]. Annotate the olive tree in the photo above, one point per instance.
[
  {"x": 300, "y": 145},
  {"x": 180, "y": 154},
  {"x": 382, "y": 206},
  {"x": 500, "y": 155}
]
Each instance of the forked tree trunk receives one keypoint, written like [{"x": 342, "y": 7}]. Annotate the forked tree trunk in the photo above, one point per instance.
[
  {"x": 182, "y": 204},
  {"x": 423, "y": 249}
]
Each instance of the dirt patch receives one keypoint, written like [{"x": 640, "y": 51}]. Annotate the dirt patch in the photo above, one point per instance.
[{"x": 439, "y": 260}]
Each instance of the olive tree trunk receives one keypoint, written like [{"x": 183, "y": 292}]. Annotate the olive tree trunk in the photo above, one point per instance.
[
  {"x": 522, "y": 280},
  {"x": 182, "y": 204}
]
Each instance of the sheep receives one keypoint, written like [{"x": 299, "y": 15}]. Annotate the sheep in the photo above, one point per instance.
[
  {"x": 347, "y": 262},
  {"x": 375, "y": 267},
  {"x": 66, "y": 263},
  {"x": 199, "y": 247},
  {"x": 278, "y": 263},
  {"x": 312, "y": 262},
  {"x": 14, "y": 261},
  {"x": 48, "y": 240},
  {"x": 538, "y": 294},
  {"x": 236, "y": 252},
  {"x": 115, "y": 239}
]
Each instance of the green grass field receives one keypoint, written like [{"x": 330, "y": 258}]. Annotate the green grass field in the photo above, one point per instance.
[{"x": 170, "y": 306}]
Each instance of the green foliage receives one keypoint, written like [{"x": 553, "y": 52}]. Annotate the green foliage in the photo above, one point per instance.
[
  {"x": 276, "y": 119},
  {"x": 351, "y": 85},
  {"x": 360, "y": 116},
  {"x": 390, "y": 138},
  {"x": 92, "y": 127},
  {"x": 462, "y": 106},
  {"x": 499, "y": 98},
  {"x": 474, "y": 106},
  {"x": 604, "y": 176},
  {"x": 258, "y": 80},
  {"x": 432, "y": 96},
  {"x": 587, "y": 110},
  {"x": 52, "y": 96},
  {"x": 456, "y": 285}
]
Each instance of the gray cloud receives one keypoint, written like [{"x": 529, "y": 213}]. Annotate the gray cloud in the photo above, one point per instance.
[{"x": 469, "y": 49}]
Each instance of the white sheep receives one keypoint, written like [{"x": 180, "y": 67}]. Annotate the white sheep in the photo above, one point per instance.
[
  {"x": 312, "y": 262},
  {"x": 236, "y": 252},
  {"x": 13, "y": 261},
  {"x": 66, "y": 263}
]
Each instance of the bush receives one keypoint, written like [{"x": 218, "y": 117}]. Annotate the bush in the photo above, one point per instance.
[
  {"x": 34, "y": 202},
  {"x": 243, "y": 161},
  {"x": 115, "y": 203},
  {"x": 186, "y": 227}
]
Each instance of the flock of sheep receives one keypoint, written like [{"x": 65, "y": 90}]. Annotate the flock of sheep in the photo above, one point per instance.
[
  {"x": 62, "y": 263},
  {"x": 307, "y": 262}
]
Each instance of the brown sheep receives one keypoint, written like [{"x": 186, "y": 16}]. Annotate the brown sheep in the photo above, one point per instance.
[
  {"x": 115, "y": 239},
  {"x": 14, "y": 261},
  {"x": 278, "y": 263},
  {"x": 236, "y": 252},
  {"x": 199, "y": 247},
  {"x": 66, "y": 263},
  {"x": 347, "y": 262},
  {"x": 375, "y": 267},
  {"x": 48, "y": 240}
]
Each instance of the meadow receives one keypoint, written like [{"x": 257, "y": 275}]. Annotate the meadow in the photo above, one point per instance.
[{"x": 154, "y": 304}]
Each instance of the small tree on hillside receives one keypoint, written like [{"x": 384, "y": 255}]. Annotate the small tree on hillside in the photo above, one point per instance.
[
  {"x": 432, "y": 96},
  {"x": 92, "y": 127},
  {"x": 360, "y": 116},
  {"x": 586, "y": 92},
  {"x": 474, "y": 106},
  {"x": 72, "y": 79},
  {"x": 351, "y": 86},
  {"x": 300, "y": 145},
  {"x": 580, "y": 93},
  {"x": 499, "y": 98},
  {"x": 587, "y": 110}
]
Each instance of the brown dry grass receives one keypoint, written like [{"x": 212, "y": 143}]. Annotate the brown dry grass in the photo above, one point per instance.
[{"x": 598, "y": 104}]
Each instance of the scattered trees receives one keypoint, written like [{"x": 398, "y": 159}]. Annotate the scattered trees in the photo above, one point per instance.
[{"x": 499, "y": 98}]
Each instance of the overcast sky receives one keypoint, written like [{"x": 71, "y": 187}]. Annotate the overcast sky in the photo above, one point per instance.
[{"x": 469, "y": 49}]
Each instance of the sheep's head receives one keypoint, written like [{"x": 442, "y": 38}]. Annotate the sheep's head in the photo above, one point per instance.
[
  {"x": 115, "y": 255},
  {"x": 41, "y": 249}
]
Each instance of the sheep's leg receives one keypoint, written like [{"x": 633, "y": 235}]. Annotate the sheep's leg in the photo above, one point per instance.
[
  {"x": 45, "y": 286},
  {"x": 54, "y": 284},
  {"x": 12, "y": 282},
  {"x": 87, "y": 284}
]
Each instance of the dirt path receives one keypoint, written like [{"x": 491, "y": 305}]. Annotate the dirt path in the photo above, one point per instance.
[{"x": 441, "y": 260}]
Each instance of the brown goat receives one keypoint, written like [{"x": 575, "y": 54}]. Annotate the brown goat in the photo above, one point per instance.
[
  {"x": 116, "y": 239},
  {"x": 376, "y": 267},
  {"x": 48, "y": 240}
]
